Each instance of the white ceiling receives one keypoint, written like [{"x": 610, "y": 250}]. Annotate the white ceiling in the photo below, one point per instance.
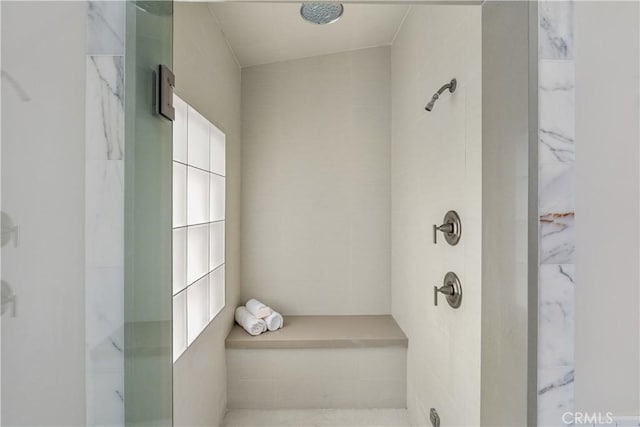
[{"x": 262, "y": 33}]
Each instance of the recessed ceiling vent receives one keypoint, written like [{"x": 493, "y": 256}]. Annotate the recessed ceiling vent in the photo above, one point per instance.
[{"x": 321, "y": 13}]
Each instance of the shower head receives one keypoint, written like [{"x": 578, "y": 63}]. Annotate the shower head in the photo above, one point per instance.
[
  {"x": 321, "y": 13},
  {"x": 431, "y": 103},
  {"x": 452, "y": 88}
]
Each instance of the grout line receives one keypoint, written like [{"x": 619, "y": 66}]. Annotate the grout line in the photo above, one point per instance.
[
  {"x": 180, "y": 227},
  {"x": 198, "y": 168},
  {"x": 198, "y": 279}
]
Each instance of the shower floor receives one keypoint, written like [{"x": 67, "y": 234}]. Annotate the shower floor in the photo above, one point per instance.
[{"x": 316, "y": 417}]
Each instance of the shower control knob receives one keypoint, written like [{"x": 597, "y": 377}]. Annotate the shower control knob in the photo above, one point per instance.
[
  {"x": 451, "y": 288},
  {"x": 445, "y": 228},
  {"x": 447, "y": 290},
  {"x": 451, "y": 228}
]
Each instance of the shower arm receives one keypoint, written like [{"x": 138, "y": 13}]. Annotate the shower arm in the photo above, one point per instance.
[{"x": 451, "y": 86}]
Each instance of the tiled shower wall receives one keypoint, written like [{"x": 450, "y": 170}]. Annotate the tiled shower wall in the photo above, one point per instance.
[
  {"x": 436, "y": 165},
  {"x": 104, "y": 213},
  {"x": 556, "y": 211}
]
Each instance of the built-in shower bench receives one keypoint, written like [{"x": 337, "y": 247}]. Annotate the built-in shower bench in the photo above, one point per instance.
[
  {"x": 324, "y": 332},
  {"x": 319, "y": 362}
]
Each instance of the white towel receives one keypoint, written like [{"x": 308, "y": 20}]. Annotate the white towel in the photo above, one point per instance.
[
  {"x": 249, "y": 322},
  {"x": 274, "y": 321},
  {"x": 258, "y": 309}
]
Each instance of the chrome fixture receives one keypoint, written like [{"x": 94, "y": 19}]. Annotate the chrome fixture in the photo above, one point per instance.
[
  {"x": 451, "y": 228},
  {"x": 434, "y": 417},
  {"x": 451, "y": 288},
  {"x": 8, "y": 299},
  {"x": 8, "y": 231},
  {"x": 452, "y": 88},
  {"x": 321, "y": 13}
]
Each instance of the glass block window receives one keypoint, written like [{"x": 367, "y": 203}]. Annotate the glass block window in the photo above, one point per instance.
[{"x": 198, "y": 224}]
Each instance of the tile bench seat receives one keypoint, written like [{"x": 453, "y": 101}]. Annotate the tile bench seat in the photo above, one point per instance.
[
  {"x": 324, "y": 332},
  {"x": 319, "y": 362}
]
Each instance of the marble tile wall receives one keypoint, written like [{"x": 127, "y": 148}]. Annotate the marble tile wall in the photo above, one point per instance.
[
  {"x": 557, "y": 211},
  {"x": 104, "y": 213}
]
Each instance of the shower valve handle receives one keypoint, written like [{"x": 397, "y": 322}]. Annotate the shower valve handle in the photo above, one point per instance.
[
  {"x": 452, "y": 290},
  {"x": 451, "y": 228},
  {"x": 445, "y": 228},
  {"x": 444, "y": 290}
]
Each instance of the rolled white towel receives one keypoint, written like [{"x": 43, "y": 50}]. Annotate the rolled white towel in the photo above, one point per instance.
[
  {"x": 274, "y": 321},
  {"x": 258, "y": 309},
  {"x": 249, "y": 322}
]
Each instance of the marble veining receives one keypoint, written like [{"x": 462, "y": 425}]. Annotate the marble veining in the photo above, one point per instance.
[
  {"x": 556, "y": 188},
  {"x": 105, "y": 322},
  {"x": 104, "y": 200},
  {"x": 104, "y": 291},
  {"x": 556, "y": 208},
  {"x": 556, "y": 315},
  {"x": 105, "y": 27},
  {"x": 104, "y": 213},
  {"x": 557, "y": 213},
  {"x": 564, "y": 380},
  {"x": 555, "y": 395},
  {"x": 556, "y": 98},
  {"x": 105, "y": 406},
  {"x": 556, "y": 145},
  {"x": 555, "y": 37},
  {"x": 105, "y": 108},
  {"x": 557, "y": 236}
]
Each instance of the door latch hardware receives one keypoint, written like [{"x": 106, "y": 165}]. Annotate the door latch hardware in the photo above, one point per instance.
[{"x": 166, "y": 82}]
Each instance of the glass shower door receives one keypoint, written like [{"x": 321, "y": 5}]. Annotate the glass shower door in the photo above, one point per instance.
[
  {"x": 85, "y": 200},
  {"x": 43, "y": 234},
  {"x": 148, "y": 356}
]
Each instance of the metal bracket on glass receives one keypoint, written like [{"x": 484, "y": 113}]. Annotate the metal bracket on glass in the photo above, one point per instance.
[
  {"x": 451, "y": 228},
  {"x": 451, "y": 288},
  {"x": 166, "y": 82}
]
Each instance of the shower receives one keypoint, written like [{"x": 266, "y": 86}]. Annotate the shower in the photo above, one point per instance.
[
  {"x": 321, "y": 13},
  {"x": 452, "y": 88}
]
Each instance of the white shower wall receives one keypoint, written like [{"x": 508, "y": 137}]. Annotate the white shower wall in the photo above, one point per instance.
[
  {"x": 315, "y": 183},
  {"x": 436, "y": 166}
]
